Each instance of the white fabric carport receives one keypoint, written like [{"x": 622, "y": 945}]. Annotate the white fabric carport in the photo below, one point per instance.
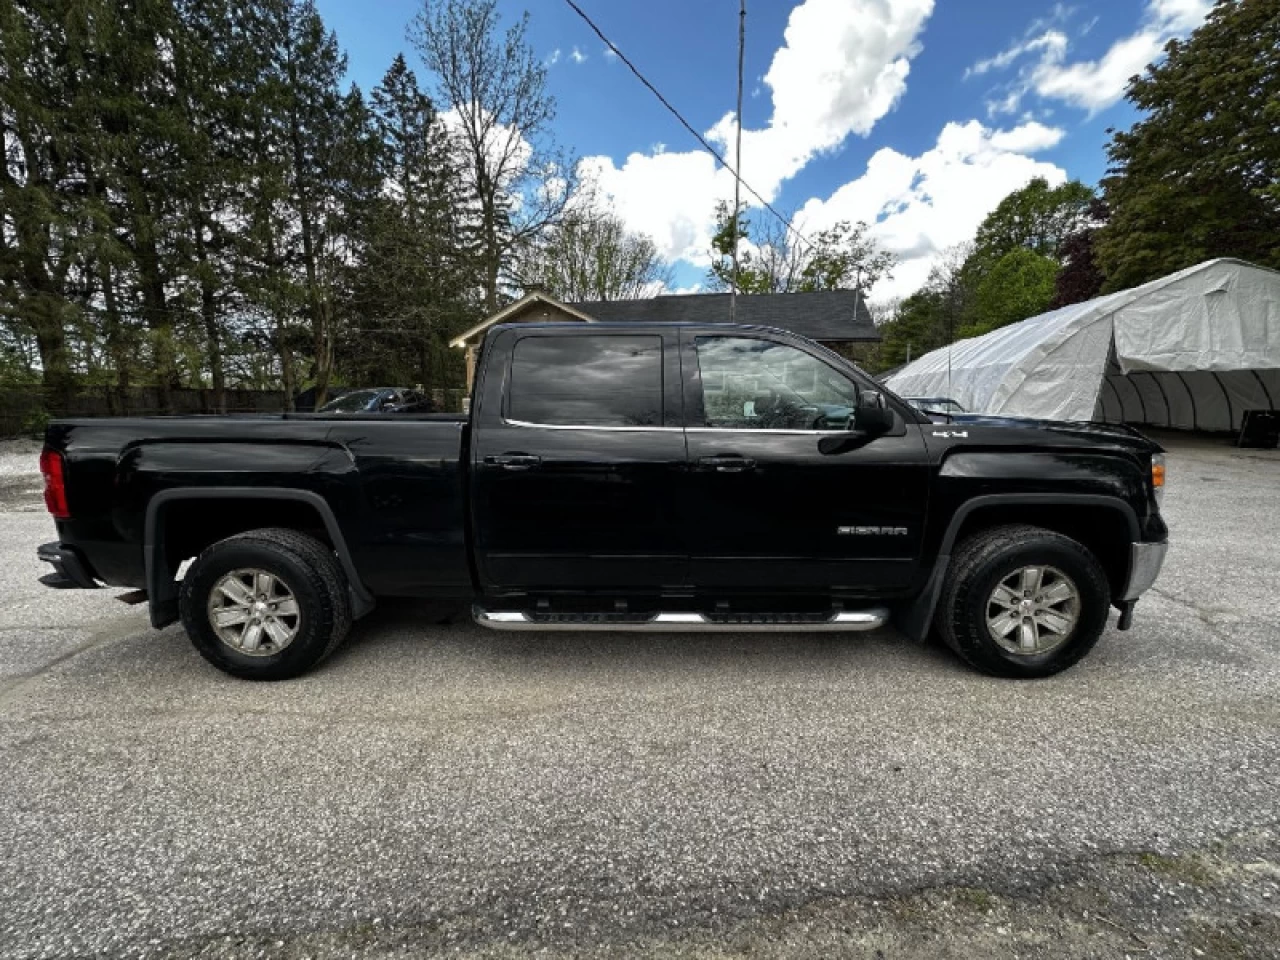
[{"x": 1192, "y": 350}]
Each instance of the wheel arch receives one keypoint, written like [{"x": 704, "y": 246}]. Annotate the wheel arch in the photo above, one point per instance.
[
  {"x": 159, "y": 547},
  {"x": 1104, "y": 525}
]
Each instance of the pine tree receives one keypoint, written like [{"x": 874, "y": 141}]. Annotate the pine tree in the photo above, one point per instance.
[{"x": 411, "y": 288}]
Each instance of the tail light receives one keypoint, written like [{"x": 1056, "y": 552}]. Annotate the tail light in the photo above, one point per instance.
[
  {"x": 55, "y": 484},
  {"x": 1157, "y": 476}
]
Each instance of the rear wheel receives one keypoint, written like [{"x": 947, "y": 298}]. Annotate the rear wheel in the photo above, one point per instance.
[
  {"x": 266, "y": 605},
  {"x": 1021, "y": 601}
]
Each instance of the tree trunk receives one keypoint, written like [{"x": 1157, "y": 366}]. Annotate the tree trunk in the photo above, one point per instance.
[
  {"x": 117, "y": 349},
  {"x": 155, "y": 307},
  {"x": 286, "y": 367},
  {"x": 209, "y": 315},
  {"x": 44, "y": 314},
  {"x": 317, "y": 305}
]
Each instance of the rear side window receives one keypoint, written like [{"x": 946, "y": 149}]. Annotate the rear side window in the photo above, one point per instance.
[{"x": 587, "y": 381}]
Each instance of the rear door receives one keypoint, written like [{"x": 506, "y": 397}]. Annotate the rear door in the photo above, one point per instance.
[
  {"x": 576, "y": 455},
  {"x": 766, "y": 509}
]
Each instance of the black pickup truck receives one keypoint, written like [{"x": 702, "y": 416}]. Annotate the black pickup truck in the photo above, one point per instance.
[{"x": 619, "y": 477}]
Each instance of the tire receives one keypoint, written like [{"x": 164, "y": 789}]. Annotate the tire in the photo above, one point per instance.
[
  {"x": 302, "y": 569},
  {"x": 998, "y": 556}
]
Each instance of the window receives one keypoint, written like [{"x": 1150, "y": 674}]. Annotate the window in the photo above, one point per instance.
[
  {"x": 590, "y": 381},
  {"x": 357, "y": 401},
  {"x": 756, "y": 384}
]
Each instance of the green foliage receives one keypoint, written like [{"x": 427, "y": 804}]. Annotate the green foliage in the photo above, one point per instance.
[
  {"x": 842, "y": 257},
  {"x": 191, "y": 197},
  {"x": 35, "y": 423},
  {"x": 1080, "y": 278},
  {"x": 411, "y": 289},
  {"x": 1019, "y": 285},
  {"x": 930, "y": 318},
  {"x": 1035, "y": 218},
  {"x": 1197, "y": 177}
]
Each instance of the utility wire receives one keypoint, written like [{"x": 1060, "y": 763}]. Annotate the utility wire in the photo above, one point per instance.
[
  {"x": 685, "y": 123},
  {"x": 737, "y": 160}
]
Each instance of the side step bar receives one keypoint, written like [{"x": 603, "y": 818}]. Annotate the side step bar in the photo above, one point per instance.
[{"x": 685, "y": 622}]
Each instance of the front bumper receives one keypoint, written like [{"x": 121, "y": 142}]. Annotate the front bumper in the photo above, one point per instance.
[
  {"x": 1145, "y": 561},
  {"x": 69, "y": 569}
]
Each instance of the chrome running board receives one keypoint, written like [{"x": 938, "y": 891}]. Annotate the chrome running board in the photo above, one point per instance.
[{"x": 684, "y": 622}]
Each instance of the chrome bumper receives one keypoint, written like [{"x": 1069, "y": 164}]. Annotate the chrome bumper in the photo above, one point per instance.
[{"x": 1145, "y": 561}]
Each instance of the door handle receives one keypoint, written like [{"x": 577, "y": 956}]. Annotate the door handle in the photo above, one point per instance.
[
  {"x": 727, "y": 464},
  {"x": 513, "y": 461}
]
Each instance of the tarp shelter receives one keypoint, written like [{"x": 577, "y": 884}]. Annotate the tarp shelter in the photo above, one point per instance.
[{"x": 1193, "y": 350}]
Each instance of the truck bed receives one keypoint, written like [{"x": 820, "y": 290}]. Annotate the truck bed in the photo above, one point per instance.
[{"x": 391, "y": 488}]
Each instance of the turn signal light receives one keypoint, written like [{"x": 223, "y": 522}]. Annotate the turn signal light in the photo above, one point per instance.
[
  {"x": 55, "y": 484},
  {"x": 1157, "y": 475}
]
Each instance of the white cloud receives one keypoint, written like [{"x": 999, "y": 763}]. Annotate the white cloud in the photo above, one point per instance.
[
  {"x": 843, "y": 66},
  {"x": 1096, "y": 85},
  {"x": 577, "y": 56},
  {"x": 503, "y": 144},
  {"x": 670, "y": 196},
  {"x": 1028, "y": 138},
  {"x": 1053, "y": 42},
  {"x": 554, "y": 58},
  {"x": 610, "y": 54},
  {"x": 1091, "y": 85},
  {"x": 919, "y": 206}
]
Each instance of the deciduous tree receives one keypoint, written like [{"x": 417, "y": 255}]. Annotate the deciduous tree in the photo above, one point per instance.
[{"x": 1199, "y": 175}]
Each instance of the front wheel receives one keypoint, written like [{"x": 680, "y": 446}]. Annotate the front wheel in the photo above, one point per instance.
[
  {"x": 265, "y": 605},
  {"x": 1021, "y": 601}
]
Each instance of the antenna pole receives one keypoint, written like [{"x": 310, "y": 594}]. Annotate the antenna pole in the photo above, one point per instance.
[{"x": 737, "y": 163}]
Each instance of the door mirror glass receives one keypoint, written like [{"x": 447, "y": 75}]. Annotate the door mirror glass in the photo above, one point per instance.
[{"x": 873, "y": 416}]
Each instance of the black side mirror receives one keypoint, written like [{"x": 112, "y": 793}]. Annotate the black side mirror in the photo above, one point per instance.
[
  {"x": 872, "y": 419},
  {"x": 873, "y": 416}
]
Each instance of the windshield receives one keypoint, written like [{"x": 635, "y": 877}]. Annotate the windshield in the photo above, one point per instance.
[{"x": 355, "y": 402}]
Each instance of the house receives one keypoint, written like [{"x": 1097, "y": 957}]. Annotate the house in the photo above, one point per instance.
[{"x": 834, "y": 318}]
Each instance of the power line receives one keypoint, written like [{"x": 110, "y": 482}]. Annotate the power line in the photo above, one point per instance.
[{"x": 685, "y": 123}]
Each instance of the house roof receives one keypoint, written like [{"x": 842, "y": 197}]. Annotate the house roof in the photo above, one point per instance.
[
  {"x": 514, "y": 309},
  {"x": 826, "y": 315}
]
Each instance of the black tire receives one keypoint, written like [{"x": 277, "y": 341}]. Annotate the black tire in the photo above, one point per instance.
[
  {"x": 305, "y": 566},
  {"x": 977, "y": 568}
]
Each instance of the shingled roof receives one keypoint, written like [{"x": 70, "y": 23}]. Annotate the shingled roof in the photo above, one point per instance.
[{"x": 824, "y": 315}]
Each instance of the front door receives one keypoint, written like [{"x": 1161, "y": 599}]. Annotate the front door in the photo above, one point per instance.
[
  {"x": 576, "y": 463},
  {"x": 767, "y": 509}
]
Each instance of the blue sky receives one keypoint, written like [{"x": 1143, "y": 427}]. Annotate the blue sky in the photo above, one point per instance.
[{"x": 916, "y": 116}]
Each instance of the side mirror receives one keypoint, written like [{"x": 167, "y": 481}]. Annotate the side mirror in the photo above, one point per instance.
[
  {"x": 872, "y": 419},
  {"x": 873, "y": 416}
]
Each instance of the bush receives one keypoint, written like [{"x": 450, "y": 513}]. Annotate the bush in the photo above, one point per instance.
[{"x": 35, "y": 423}]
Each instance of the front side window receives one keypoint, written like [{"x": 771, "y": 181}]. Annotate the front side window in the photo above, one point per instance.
[
  {"x": 759, "y": 385},
  {"x": 587, "y": 381}
]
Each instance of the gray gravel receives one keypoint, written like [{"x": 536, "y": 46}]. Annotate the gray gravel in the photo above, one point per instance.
[
  {"x": 441, "y": 788},
  {"x": 20, "y": 482}
]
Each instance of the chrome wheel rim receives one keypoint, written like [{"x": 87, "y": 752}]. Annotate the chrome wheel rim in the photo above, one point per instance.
[
  {"x": 1033, "y": 610},
  {"x": 253, "y": 612}
]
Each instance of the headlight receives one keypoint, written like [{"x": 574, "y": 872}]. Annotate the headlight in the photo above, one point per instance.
[{"x": 1157, "y": 476}]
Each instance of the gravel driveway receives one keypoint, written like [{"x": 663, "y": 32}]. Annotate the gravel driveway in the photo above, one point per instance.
[{"x": 438, "y": 788}]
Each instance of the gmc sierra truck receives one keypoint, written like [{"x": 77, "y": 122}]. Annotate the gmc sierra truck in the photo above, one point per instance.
[{"x": 619, "y": 477}]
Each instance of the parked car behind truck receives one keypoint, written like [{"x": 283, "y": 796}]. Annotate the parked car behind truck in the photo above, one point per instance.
[{"x": 643, "y": 477}]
